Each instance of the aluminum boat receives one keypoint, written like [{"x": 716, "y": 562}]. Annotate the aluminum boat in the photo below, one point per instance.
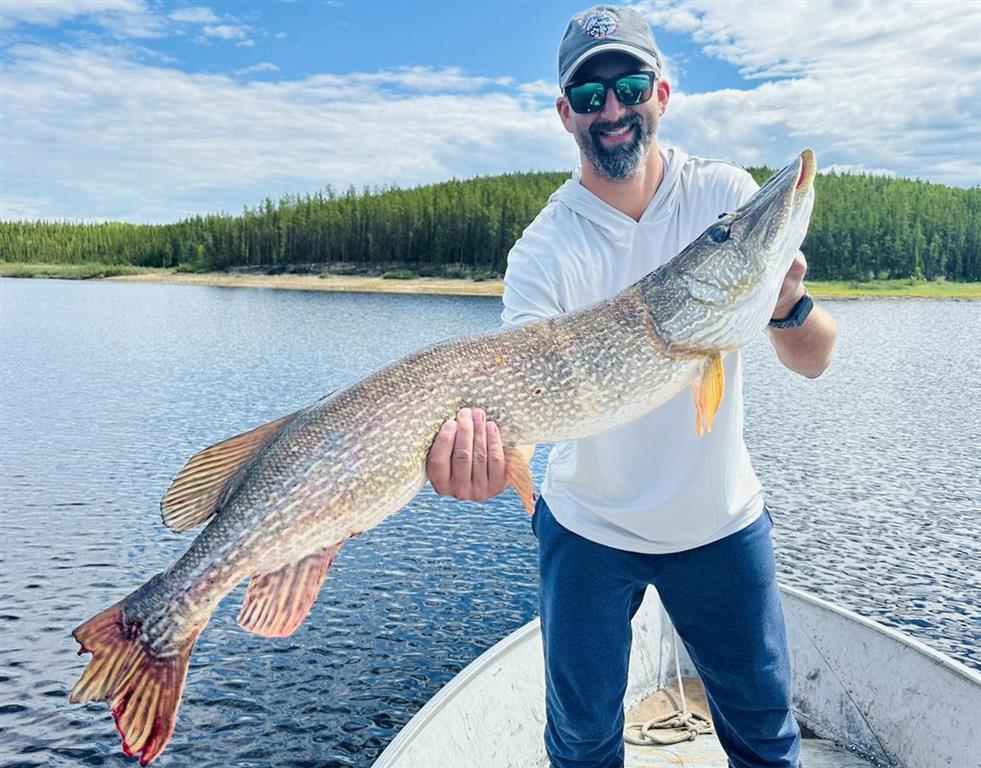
[{"x": 863, "y": 694}]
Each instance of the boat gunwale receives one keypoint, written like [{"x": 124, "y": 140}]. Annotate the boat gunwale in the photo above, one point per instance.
[
  {"x": 418, "y": 722},
  {"x": 938, "y": 657}
]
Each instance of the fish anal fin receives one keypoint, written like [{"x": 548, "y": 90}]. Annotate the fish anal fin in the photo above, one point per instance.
[
  {"x": 276, "y": 603},
  {"x": 707, "y": 391},
  {"x": 198, "y": 489},
  {"x": 519, "y": 473},
  {"x": 143, "y": 690}
]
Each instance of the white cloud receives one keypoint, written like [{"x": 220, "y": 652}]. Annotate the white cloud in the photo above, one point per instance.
[
  {"x": 417, "y": 78},
  {"x": 546, "y": 89},
  {"x": 118, "y": 18},
  {"x": 170, "y": 143},
  {"x": 859, "y": 169},
  {"x": 126, "y": 18},
  {"x": 262, "y": 66},
  {"x": 890, "y": 85},
  {"x": 23, "y": 206},
  {"x": 51, "y": 12},
  {"x": 194, "y": 15},
  {"x": 108, "y": 133},
  {"x": 225, "y": 31}
]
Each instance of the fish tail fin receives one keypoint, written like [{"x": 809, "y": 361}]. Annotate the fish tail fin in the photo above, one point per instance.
[{"x": 143, "y": 690}]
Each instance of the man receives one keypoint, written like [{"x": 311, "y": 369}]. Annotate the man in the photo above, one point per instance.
[{"x": 648, "y": 503}]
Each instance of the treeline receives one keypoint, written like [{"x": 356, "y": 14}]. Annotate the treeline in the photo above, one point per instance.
[
  {"x": 866, "y": 227},
  {"x": 863, "y": 227}
]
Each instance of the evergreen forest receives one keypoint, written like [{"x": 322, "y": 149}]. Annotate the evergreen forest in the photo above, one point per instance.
[{"x": 862, "y": 228}]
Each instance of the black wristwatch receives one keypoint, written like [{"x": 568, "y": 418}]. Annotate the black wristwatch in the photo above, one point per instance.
[{"x": 797, "y": 315}]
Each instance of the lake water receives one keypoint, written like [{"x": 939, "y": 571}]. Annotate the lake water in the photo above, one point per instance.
[{"x": 107, "y": 388}]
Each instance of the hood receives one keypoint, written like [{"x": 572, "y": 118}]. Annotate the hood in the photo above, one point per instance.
[{"x": 615, "y": 223}]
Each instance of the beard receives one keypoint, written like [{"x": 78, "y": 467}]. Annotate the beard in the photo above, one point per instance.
[{"x": 622, "y": 161}]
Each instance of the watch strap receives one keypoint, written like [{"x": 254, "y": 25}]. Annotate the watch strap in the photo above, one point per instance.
[{"x": 797, "y": 315}]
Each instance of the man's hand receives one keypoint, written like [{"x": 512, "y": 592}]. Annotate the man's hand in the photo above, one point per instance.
[
  {"x": 467, "y": 458},
  {"x": 806, "y": 349},
  {"x": 792, "y": 288}
]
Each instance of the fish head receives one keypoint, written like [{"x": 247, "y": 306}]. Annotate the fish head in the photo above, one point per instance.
[{"x": 719, "y": 293}]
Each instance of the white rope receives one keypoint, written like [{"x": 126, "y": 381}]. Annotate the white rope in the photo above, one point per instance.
[
  {"x": 678, "y": 726},
  {"x": 677, "y": 669}
]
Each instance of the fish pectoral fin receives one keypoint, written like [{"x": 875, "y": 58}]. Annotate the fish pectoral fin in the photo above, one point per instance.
[
  {"x": 276, "y": 603},
  {"x": 707, "y": 391},
  {"x": 196, "y": 492},
  {"x": 519, "y": 473}
]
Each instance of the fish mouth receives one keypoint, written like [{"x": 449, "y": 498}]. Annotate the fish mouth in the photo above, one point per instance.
[
  {"x": 802, "y": 193},
  {"x": 790, "y": 201},
  {"x": 808, "y": 168}
]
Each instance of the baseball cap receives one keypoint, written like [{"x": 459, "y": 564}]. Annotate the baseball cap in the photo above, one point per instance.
[{"x": 605, "y": 28}]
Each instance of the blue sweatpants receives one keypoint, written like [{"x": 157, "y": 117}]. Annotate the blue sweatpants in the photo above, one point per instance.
[{"x": 725, "y": 605}]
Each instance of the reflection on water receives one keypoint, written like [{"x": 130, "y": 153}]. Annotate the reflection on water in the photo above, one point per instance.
[{"x": 108, "y": 388}]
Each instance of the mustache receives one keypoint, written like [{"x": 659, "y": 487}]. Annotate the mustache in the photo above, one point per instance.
[{"x": 627, "y": 121}]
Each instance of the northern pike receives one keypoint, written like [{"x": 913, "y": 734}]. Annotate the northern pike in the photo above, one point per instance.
[{"x": 279, "y": 500}]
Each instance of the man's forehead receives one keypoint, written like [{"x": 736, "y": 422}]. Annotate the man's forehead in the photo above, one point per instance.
[{"x": 611, "y": 64}]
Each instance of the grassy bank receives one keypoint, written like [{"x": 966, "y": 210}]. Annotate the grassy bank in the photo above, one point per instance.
[
  {"x": 915, "y": 289},
  {"x": 404, "y": 281},
  {"x": 73, "y": 271}
]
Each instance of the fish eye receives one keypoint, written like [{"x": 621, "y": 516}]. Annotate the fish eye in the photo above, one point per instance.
[{"x": 719, "y": 233}]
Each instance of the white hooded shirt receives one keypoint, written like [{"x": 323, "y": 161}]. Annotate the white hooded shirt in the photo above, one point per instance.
[{"x": 650, "y": 486}]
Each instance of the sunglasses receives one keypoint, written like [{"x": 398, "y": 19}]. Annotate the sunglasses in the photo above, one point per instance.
[{"x": 630, "y": 90}]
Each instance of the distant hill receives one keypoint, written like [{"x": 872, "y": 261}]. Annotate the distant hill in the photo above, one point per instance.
[{"x": 863, "y": 227}]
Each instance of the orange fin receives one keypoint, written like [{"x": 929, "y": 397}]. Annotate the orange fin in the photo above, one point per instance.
[
  {"x": 199, "y": 489},
  {"x": 707, "y": 392},
  {"x": 519, "y": 473},
  {"x": 143, "y": 690},
  {"x": 277, "y": 603}
]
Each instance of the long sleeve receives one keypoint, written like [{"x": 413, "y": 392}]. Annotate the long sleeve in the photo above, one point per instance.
[{"x": 530, "y": 291}]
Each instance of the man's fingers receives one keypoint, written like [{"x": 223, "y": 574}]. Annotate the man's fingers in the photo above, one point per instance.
[
  {"x": 461, "y": 463},
  {"x": 792, "y": 287},
  {"x": 795, "y": 275},
  {"x": 799, "y": 267},
  {"x": 497, "y": 476},
  {"x": 438, "y": 462},
  {"x": 467, "y": 458},
  {"x": 478, "y": 473}
]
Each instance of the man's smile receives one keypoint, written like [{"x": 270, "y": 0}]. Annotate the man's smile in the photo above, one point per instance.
[{"x": 617, "y": 135}]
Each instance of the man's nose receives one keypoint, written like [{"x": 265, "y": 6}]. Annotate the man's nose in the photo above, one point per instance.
[{"x": 612, "y": 110}]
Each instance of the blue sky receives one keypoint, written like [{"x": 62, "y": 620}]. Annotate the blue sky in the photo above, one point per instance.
[
  {"x": 308, "y": 37},
  {"x": 145, "y": 110}
]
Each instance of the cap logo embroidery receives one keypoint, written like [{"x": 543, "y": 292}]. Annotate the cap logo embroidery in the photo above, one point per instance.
[{"x": 600, "y": 24}]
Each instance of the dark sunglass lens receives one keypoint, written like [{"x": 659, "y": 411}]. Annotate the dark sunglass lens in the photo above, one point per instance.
[
  {"x": 634, "y": 89},
  {"x": 587, "y": 97}
]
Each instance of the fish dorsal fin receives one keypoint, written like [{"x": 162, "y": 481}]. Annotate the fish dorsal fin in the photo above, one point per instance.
[
  {"x": 276, "y": 603},
  {"x": 199, "y": 488}
]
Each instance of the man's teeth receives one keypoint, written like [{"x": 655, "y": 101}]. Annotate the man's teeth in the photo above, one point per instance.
[{"x": 617, "y": 131}]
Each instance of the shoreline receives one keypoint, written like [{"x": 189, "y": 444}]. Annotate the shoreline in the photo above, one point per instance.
[
  {"x": 427, "y": 286},
  {"x": 436, "y": 286}
]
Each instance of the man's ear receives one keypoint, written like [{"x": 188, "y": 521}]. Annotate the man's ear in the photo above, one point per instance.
[
  {"x": 663, "y": 94},
  {"x": 565, "y": 112}
]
